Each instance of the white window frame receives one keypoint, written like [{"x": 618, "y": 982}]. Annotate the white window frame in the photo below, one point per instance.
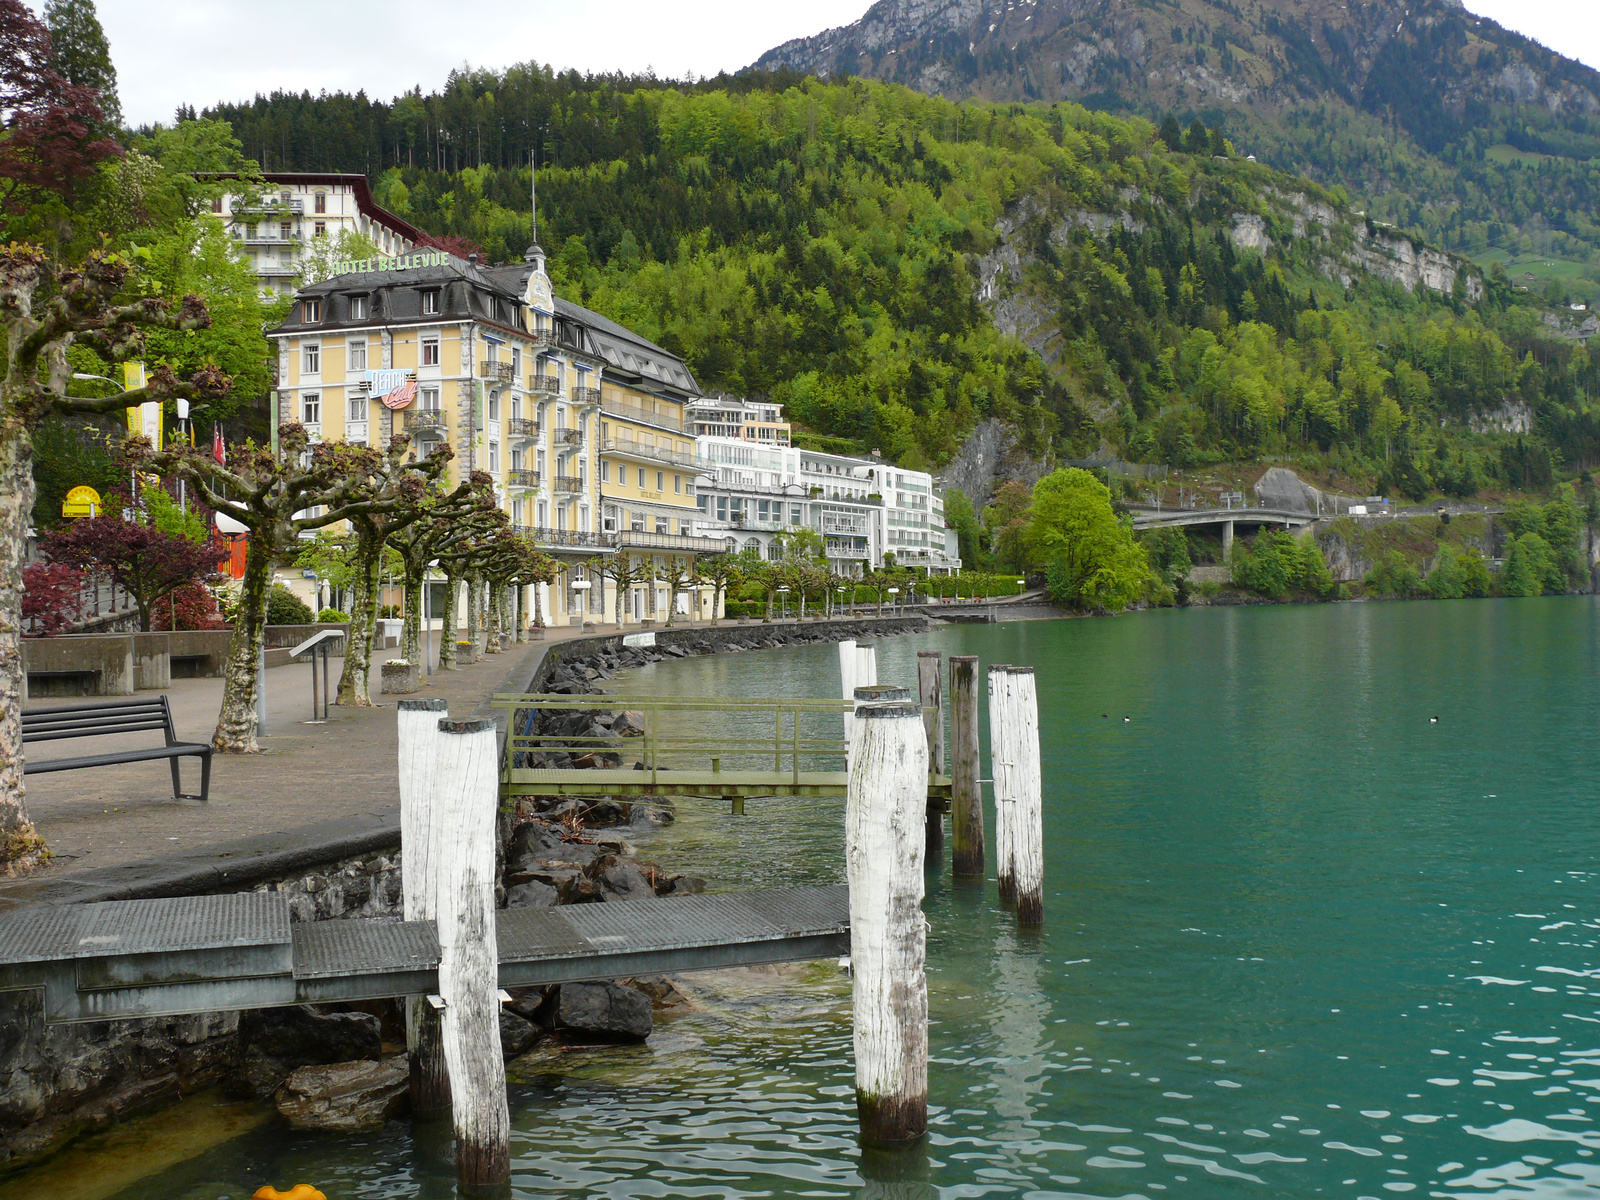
[
  {"x": 356, "y": 354},
  {"x": 430, "y": 302},
  {"x": 429, "y": 356},
  {"x": 311, "y": 358},
  {"x": 311, "y": 408},
  {"x": 356, "y": 408}
]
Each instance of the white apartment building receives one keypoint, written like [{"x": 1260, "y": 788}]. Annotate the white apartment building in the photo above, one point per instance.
[
  {"x": 750, "y": 492},
  {"x": 274, "y": 228}
]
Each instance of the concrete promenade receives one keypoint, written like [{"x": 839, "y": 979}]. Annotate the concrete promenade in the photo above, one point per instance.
[{"x": 307, "y": 773}]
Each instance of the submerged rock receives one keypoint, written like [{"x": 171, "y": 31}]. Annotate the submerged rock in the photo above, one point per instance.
[
  {"x": 517, "y": 1034},
  {"x": 597, "y": 1012},
  {"x": 346, "y": 1097},
  {"x": 276, "y": 1041}
]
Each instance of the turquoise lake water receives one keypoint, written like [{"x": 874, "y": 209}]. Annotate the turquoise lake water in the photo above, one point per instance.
[{"x": 1300, "y": 940}]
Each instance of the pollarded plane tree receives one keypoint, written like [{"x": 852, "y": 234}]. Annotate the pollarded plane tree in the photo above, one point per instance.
[
  {"x": 460, "y": 553},
  {"x": 44, "y": 311},
  {"x": 624, "y": 570},
  {"x": 372, "y": 529},
  {"x": 276, "y": 497},
  {"x": 446, "y": 517}
]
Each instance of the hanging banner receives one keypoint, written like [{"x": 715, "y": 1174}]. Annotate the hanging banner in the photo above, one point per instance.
[{"x": 146, "y": 418}]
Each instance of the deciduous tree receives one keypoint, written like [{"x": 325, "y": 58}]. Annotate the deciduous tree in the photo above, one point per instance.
[{"x": 145, "y": 562}]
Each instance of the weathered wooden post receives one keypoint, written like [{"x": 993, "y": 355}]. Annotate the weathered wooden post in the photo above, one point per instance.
[
  {"x": 888, "y": 940},
  {"x": 966, "y": 793},
  {"x": 1001, "y": 761},
  {"x": 847, "y": 686},
  {"x": 931, "y": 693},
  {"x": 419, "y": 880},
  {"x": 463, "y": 828},
  {"x": 1027, "y": 842},
  {"x": 866, "y": 665}
]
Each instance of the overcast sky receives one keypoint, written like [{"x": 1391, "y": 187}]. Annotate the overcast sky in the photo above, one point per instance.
[{"x": 203, "y": 51}]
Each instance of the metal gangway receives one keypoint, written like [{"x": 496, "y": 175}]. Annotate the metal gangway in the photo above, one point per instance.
[{"x": 758, "y": 747}]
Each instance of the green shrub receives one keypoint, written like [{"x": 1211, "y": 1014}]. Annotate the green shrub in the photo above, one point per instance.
[
  {"x": 1280, "y": 563},
  {"x": 1396, "y": 577},
  {"x": 1532, "y": 568},
  {"x": 389, "y": 612},
  {"x": 332, "y": 616},
  {"x": 1448, "y": 579},
  {"x": 285, "y": 608}
]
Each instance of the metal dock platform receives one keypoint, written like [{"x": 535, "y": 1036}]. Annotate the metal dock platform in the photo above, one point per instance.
[{"x": 153, "y": 958}]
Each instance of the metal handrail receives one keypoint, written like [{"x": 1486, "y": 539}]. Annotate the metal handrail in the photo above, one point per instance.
[
  {"x": 549, "y": 385},
  {"x": 629, "y": 412},
  {"x": 567, "y": 483},
  {"x": 523, "y": 427},
  {"x": 523, "y": 478}
]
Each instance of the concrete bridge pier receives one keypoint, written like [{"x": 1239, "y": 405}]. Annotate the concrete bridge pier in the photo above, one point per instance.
[{"x": 1227, "y": 540}]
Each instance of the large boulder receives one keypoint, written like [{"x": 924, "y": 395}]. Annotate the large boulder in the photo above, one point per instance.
[
  {"x": 621, "y": 878},
  {"x": 628, "y": 724},
  {"x": 597, "y": 1012},
  {"x": 532, "y": 894},
  {"x": 346, "y": 1097},
  {"x": 276, "y": 1041},
  {"x": 517, "y": 1034}
]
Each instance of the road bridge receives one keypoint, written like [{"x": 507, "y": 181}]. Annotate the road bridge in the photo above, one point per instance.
[
  {"x": 192, "y": 954},
  {"x": 1226, "y": 519}
]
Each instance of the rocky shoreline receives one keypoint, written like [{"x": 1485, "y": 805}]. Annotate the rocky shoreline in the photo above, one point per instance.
[{"x": 342, "y": 1068}]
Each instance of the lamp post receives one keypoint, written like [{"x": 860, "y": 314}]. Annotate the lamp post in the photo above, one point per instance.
[
  {"x": 783, "y": 601},
  {"x": 840, "y": 590},
  {"x": 582, "y": 586},
  {"x": 427, "y": 626},
  {"x": 892, "y": 593}
]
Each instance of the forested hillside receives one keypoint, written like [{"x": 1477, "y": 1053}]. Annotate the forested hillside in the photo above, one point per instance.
[
  {"x": 1472, "y": 135},
  {"x": 895, "y": 267}
]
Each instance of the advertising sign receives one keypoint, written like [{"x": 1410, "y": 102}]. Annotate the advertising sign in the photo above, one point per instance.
[
  {"x": 81, "y": 501},
  {"x": 146, "y": 418}
]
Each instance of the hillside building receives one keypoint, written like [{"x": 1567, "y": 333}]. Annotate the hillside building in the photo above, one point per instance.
[
  {"x": 751, "y": 492},
  {"x": 579, "y": 421},
  {"x": 274, "y": 228}
]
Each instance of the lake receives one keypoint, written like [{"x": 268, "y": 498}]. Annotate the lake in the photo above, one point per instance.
[{"x": 1301, "y": 939}]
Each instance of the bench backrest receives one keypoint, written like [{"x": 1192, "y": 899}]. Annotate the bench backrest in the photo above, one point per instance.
[{"x": 98, "y": 720}]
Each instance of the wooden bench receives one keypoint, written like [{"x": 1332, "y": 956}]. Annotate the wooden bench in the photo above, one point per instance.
[{"x": 107, "y": 720}]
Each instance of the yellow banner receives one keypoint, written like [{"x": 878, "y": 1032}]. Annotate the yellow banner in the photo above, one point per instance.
[{"x": 146, "y": 418}]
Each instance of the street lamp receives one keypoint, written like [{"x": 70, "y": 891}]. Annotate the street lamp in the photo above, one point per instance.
[
  {"x": 892, "y": 593},
  {"x": 783, "y": 602},
  {"x": 582, "y": 586}
]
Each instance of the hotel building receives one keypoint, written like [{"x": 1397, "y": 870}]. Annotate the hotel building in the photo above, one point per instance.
[{"x": 579, "y": 421}]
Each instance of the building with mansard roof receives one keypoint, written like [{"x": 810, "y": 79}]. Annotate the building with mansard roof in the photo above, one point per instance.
[{"x": 579, "y": 421}]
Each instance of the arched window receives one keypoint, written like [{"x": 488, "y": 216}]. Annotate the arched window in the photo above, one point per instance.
[
  {"x": 733, "y": 545},
  {"x": 753, "y": 544}
]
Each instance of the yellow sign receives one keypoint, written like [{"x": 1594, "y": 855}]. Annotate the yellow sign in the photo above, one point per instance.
[
  {"x": 146, "y": 418},
  {"x": 81, "y": 501}
]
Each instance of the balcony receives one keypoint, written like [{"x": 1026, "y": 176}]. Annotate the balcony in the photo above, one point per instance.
[
  {"x": 503, "y": 372},
  {"x": 521, "y": 477},
  {"x": 425, "y": 422},
  {"x": 272, "y": 206},
  {"x": 544, "y": 385},
  {"x": 543, "y": 341},
  {"x": 584, "y": 395},
  {"x": 844, "y": 525},
  {"x": 856, "y": 552},
  {"x": 569, "y": 484},
  {"x": 355, "y": 431},
  {"x": 522, "y": 427},
  {"x": 567, "y": 437},
  {"x": 628, "y": 412},
  {"x": 640, "y": 539},
  {"x": 271, "y": 239},
  {"x": 569, "y": 538},
  {"x": 629, "y": 448}
]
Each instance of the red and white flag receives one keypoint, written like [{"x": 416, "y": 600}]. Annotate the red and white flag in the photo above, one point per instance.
[{"x": 219, "y": 450}]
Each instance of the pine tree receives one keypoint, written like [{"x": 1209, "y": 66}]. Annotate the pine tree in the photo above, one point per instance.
[{"x": 81, "y": 54}]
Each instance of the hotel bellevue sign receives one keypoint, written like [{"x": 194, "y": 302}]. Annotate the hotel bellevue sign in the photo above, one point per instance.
[{"x": 404, "y": 262}]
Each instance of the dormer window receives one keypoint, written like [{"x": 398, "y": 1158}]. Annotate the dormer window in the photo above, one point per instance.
[
  {"x": 430, "y": 302},
  {"x": 358, "y": 308},
  {"x": 311, "y": 311}
]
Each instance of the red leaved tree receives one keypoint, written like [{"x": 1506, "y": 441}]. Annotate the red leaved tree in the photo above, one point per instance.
[
  {"x": 48, "y": 143},
  {"x": 52, "y": 596},
  {"x": 147, "y": 563}
]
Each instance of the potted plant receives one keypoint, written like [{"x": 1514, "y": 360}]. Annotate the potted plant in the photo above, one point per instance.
[
  {"x": 400, "y": 677},
  {"x": 466, "y": 653},
  {"x": 536, "y": 631}
]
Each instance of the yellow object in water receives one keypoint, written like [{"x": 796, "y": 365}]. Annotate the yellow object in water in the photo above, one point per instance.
[{"x": 300, "y": 1191}]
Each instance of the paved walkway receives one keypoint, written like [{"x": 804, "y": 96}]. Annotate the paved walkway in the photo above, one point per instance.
[{"x": 307, "y": 773}]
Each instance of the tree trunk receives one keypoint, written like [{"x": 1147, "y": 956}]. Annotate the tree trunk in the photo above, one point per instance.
[
  {"x": 353, "y": 680},
  {"x": 411, "y": 631},
  {"x": 474, "y": 599},
  {"x": 538, "y": 614},
  {"x": 447, "y": 624},
  {"x": 521, "y": 618},
  {"x": 236, "y": 723},
  {"x": 16, "y": 513}
]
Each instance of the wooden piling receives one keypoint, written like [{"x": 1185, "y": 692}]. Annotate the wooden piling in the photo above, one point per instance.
[
  {"x": 931, "y": 693},
  {"x": 465, "y": 801},
  {"x": 966, "y": 793},
  {"x": 419, "y": 882},
  {"x": 888, "y": 938},
  {"x": 1002, "y": 755},
  {"x": 866, "y": 665},
  {"x": 1027, "y": 842},
  {"x": 847, "y": 683}
]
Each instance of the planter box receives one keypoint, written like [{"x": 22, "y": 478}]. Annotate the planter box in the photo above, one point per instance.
[
  {"x": 400, "y": 679},
  {"x": 536, "y": 634},
  {"x": 505, "y": 641},
  {"x": 466, "y": 653}
]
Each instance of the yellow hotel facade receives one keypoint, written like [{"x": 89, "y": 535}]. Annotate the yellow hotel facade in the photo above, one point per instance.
[{"x": 579, "y": 421}]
